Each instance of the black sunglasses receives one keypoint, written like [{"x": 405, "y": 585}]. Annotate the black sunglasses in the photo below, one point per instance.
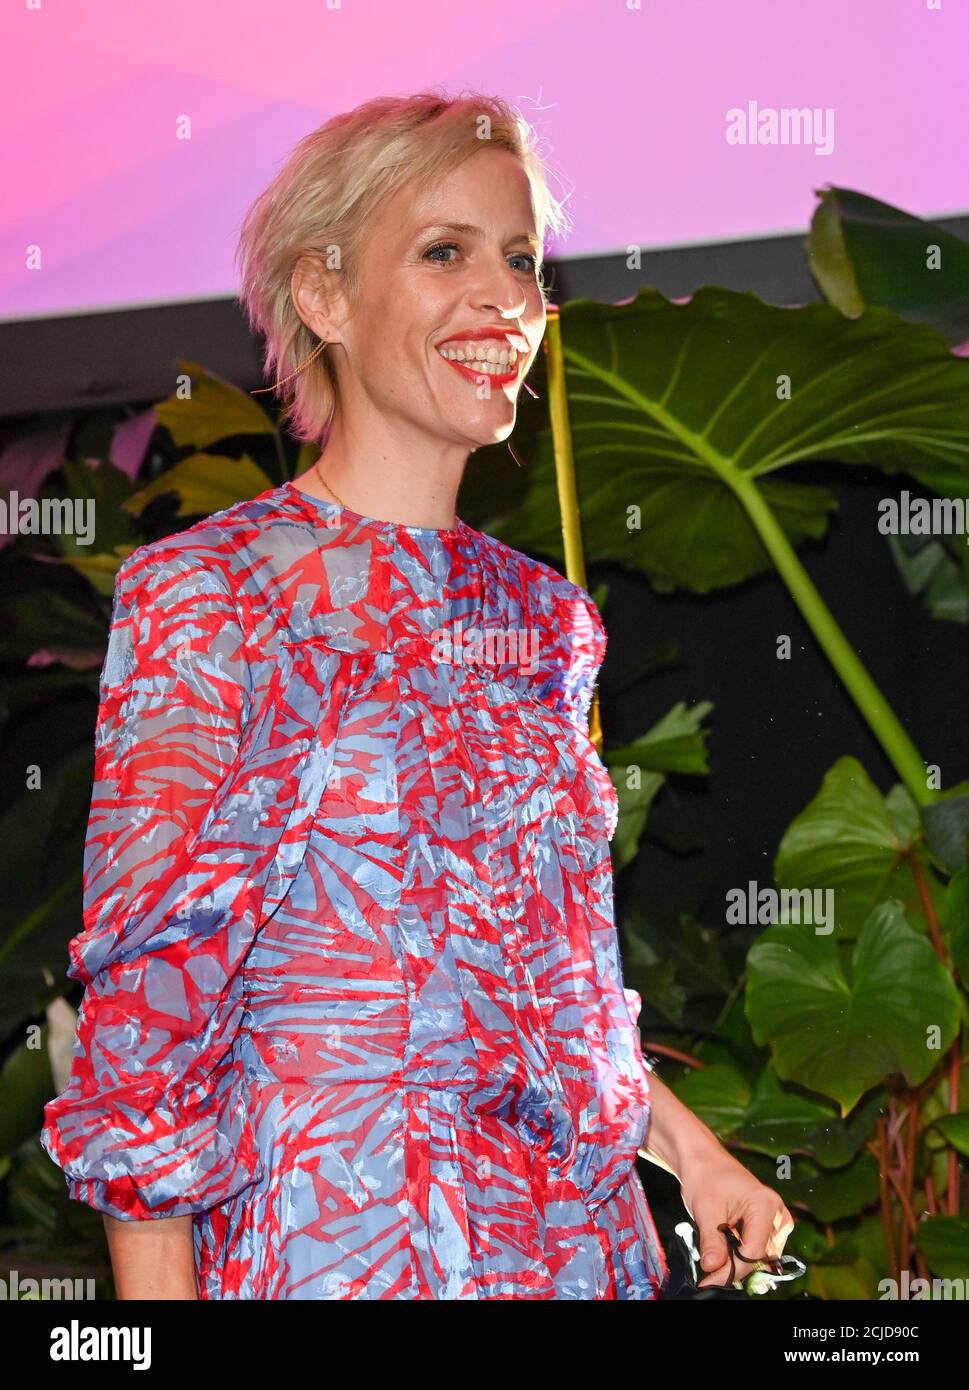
[{"x": 685, "y": 1271}]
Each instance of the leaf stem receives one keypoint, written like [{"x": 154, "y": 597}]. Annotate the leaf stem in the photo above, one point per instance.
[
  {"x": 685, "y": 1057},
  {"x": 879, "y": 714},
  {"x": 880, "y": 1149},
  {"x": 928, "y": 907},
  {"x": 874, "y": 707}
]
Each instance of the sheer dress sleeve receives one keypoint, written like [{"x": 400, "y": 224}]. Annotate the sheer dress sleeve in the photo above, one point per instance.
[{"x": 154, "y": 1120}]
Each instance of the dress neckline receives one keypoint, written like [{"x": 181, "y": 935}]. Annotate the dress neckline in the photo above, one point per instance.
[{"x": 334, "y": 508}]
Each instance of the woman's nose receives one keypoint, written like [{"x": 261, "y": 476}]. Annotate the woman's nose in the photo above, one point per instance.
[{"x": 499, "y": 288}]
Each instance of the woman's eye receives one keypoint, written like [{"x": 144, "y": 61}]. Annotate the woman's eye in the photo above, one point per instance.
[
  {"x": 441, "y": 246},
  {"x": 432, "y": 253}
]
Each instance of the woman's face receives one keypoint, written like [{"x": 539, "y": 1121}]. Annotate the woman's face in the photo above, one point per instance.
[{"x": 472, "y": 284}]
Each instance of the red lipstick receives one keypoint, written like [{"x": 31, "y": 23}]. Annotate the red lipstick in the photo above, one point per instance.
[{"x": 498, "y": 332}]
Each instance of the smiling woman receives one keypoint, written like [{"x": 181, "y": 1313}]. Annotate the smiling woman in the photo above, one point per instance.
[
  {"x": 391, "y": 208},
  {"x": 354, "y": 1022},
  {"x": 477, "y": 295}
]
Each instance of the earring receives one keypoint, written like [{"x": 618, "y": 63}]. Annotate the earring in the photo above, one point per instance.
[
  {"x": 514, "y": 455},
  {"x": 315, "y": 353}
]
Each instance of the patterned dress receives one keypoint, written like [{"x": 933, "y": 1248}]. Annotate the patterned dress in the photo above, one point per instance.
[{"x": 353, "y": 996}]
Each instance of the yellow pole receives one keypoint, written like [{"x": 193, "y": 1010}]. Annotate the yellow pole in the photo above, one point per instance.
[{"x": 565, "y": 479}]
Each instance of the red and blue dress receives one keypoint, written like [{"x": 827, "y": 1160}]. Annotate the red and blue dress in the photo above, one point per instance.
[{"x": 353, "y": 996}]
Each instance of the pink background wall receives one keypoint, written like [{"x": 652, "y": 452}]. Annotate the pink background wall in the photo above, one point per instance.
[{"x": 631, "y": 104}]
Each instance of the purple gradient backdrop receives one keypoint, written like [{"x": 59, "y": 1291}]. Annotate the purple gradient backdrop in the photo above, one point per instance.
[{"x": 630, "y": 104}]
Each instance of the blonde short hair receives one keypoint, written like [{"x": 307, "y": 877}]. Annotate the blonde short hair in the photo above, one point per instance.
[{"x": 325, "y": 195}]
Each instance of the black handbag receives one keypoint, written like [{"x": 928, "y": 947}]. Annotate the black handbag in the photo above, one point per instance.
[{"x": 683, "y": 1260}]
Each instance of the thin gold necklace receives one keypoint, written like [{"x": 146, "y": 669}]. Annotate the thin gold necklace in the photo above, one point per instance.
[{"x": 316, "y": 470}]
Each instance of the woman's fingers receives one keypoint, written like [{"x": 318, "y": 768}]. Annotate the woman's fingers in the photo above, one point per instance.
[{"x": 761, "y": 1230}]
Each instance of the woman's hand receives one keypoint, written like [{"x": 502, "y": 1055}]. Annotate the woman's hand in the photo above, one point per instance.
[{"x": 716, "y": 1189}]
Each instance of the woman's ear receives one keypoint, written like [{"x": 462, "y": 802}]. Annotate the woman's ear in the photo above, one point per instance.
[{"x": 319, "y": 297}]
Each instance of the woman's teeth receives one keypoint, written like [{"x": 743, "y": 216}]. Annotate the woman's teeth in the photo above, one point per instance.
[{"x": 492, "y": 360}]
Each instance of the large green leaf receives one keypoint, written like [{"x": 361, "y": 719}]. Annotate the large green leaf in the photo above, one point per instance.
[
  {"x": 944, "y": 1241},
  {"x": 781, "y": 1119},
  {"x": 210, "y": 409},
  {"x": 853, "y": 840},
  {"x": 955, "y": 1130},
  {"x": 946, "y": 825},
  {"x": 103, "y": 488},
  {"x": 635, "y": 802},
  {"x": 772, "y": 1117},
  {"x": 864, "y": 252},
  {"x": 674, "y": 411},
  {"x": 830, "y": 1194},
  {"x": 841, "y": 1033},
  {"x": 834, "y": 1141},
  {"x": 100, "y": 570},
  {"x": 955, "y": 922},
  {"x": 718, "y": 1094},
  {"x": 205, "y": 483},
  {"x": 845, "y": 1264},
  {"x": 675, "y": 744}
]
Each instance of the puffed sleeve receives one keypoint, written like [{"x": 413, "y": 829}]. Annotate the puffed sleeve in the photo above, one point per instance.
[{"x": 154, "y": 1120}]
